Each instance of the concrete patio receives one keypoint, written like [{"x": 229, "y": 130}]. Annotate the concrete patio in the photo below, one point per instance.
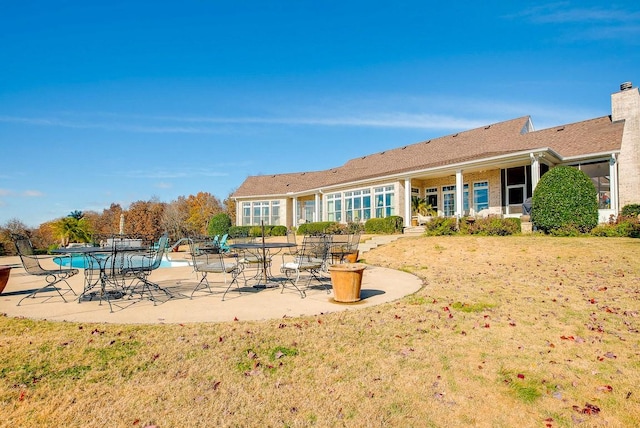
[{"x": 379, "y": 285}]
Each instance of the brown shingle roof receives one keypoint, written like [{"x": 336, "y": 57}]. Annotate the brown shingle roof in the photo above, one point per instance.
[
  {"x": 578, "y": 139},
  {"x": 591, "y": 136}
]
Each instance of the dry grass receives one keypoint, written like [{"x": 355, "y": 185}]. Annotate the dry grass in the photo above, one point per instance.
[{"x": 517, "y": 331}]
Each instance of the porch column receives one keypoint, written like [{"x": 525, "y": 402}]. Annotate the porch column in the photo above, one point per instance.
[
  {"x": 407, "y": 202},
  {"x": 316, "y": 207},
  {"x": 535, "y": 170},
  {"x": 613, "y": 183},
  {"x": 459, "y": 193},
  {"x": 296, "y": 217}
]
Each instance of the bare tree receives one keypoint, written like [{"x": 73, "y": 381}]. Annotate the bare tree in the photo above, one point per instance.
[
  {"x": 230, "y": 207},
  {"x": 174, "y": 219}
]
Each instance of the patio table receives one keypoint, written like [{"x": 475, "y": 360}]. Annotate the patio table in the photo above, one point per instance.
[
  {"x": 99, "y": 257},
  {"x": 263, "y": 251}
]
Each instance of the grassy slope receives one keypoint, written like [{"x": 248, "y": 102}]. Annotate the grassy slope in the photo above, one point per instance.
[{"x": 517, "y": 331}]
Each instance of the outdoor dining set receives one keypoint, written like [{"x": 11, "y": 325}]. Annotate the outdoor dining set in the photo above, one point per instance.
[{"x": 117, "y": 270}]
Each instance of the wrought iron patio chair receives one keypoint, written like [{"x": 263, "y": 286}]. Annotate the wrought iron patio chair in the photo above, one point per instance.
[
  {"x": 32, "y": 266},
  {"x": 339, "y": 247},
  {"x": 207, "y": 262},
  {"x": 354, "y": 241},
  {"x": 139, "y": 266},
  {"x": 310, "y": 259}
]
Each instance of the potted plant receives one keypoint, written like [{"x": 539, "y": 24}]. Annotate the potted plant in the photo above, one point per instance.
[
  {"x": 346, "y": 281},
  {"x": 4, "y": 276},
  {"x": 420, "y": 208}
]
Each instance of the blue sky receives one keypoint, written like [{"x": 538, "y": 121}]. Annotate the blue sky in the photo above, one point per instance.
[{"x": 115, "y": 102}]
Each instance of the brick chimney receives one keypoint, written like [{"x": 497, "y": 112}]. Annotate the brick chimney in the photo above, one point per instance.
[{"x": 625, "y": 105}]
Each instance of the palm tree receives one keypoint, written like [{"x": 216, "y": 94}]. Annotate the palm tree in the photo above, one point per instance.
[
  {"x": 420, "y": 206},
  {"x": 71, "y": 229},
  {"x": 76, "y": 214}
]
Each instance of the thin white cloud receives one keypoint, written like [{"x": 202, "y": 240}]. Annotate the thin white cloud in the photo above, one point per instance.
[
  {"x": 177, "y": 174},
  {"x": 594, "y": 23},
  {"x": 33, "y": 194},
  {"x": 373, "y": 120},
  {"x": 5, "y": 192},
  {"x": 563, "y": 13},
  {"x": 436, "y": 113}
]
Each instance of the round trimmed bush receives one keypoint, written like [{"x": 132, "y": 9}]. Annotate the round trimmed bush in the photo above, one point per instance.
[
  {"x": 219, "y": 224},
  {"x": 565, "y": 198}
]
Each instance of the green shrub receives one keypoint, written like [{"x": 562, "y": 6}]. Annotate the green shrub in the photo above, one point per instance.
[
  {"x": 631, "y": 210},
  {"x": 315, "y": 227},
  {"x": 606, "y": 230},
  {"x": 566, "y": 230},
  {"x": 336, "y": 229},
  {"x": 564, "y": 200},
  {"x": 279, "y": 231},
  {"x": 239, "y": 231},
  {"x": 256, "y": 231},
  {"x": 387, "y": 225},
  {"x": 628, "y": 227},
  {"x": 491, "y": 226},
  {"x": 439, "y": 226},
  {"x": 219, "y": 224},
  {"x": 354, "y": 227}
]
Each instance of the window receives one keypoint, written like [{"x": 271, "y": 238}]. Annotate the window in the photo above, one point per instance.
[
  {"x": 516, "y": 187},
  {"x": 384, "y": 197},
  {"x": 334, "y": 207},
  {"x": 431, "y": 195},
  {"x": 480, "y": 195},
  {"x": 357, "y": 205},
  {"x": 449, "y": 200},
  {"x": 465, "y": 198},
  {"x": 261, "y": 212},
  {"x": 246, "y": 213},
  {"x": 599, "y": 172},
  {"x": 253, "y": 213},
  {"x": 275, "y": 212}
]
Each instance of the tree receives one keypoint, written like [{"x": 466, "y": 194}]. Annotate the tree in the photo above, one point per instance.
[
  {"x": 420, "y": 206},
  {"x": 70, "y": 229},
  {"x": 145, "y": 218},
  {"x": 107, "y": 223},
  {"x": 230, "y": 207},
  {"x": 219, "y": 224},
  {"x": 12, "y": 226},
  {"x": 565, "y": 197},
  {"x": 201, "y": 208},
  {"x": 76, "y": 214},
  {"x": 174, "y": 219}
]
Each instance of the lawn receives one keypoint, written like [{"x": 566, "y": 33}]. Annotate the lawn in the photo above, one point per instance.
[{"x": 507, "y": 331}]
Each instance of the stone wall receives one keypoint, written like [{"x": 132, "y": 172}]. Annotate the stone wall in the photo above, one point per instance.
[{"x": 625, "y": 105}]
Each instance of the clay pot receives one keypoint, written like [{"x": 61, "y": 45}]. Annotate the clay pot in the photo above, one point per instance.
[
  {"x": 346, "y": 281},
  {"x": 4, "y": 276},
  {"x": 352, "y": 257}
]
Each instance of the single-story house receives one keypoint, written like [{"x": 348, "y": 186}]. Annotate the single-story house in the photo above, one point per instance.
[{"x": 494, "y": 168}]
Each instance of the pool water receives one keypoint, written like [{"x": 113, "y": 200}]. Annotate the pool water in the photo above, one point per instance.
[{"x": 81, "y": 262}]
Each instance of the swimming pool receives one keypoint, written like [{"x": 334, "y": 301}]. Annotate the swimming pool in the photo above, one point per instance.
[{"x": 81, "y": 262}]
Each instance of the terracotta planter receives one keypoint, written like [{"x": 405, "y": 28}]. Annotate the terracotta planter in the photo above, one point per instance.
[
  {"x": 353, "y": 257},
  {"x": 346, "y": 281},
  {"x": 4, "y": 276}
]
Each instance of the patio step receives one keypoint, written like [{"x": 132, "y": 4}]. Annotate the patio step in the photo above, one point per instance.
[{"x": 377, "y": 241}]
